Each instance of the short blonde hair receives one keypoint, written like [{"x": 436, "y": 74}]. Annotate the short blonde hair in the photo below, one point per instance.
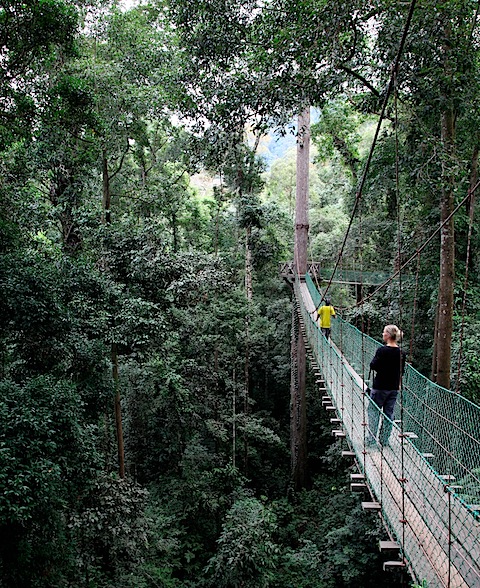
[{"x": 394, "y": 332}]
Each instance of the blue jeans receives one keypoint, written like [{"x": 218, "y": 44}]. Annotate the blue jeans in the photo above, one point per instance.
[{"x": 382, "y": 400}]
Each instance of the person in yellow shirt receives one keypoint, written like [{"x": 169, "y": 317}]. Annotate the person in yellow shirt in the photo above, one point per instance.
[{"x": 325, "y": 313}]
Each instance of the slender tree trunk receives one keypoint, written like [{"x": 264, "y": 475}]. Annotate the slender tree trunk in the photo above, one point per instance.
[
  {"x": 107, "y": 219},
  {"x": 175, "y": 231},
  {"x": 443, "y": 334},
  {"x": 113, "y": 351},
  {"x": 118, "y": 414},
  {"x": 298, "y": 410},
  {"x": 248, "y": 264},
  {"x": 249, "y": 295}
]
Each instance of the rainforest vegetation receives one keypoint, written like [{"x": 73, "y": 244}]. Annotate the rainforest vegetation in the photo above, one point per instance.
[{"x": 147, "y": 186}]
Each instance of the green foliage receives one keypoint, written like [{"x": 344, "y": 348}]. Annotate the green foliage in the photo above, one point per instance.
[
  {"x": 48, "y": 456},
  {"x": 31, "y": 32},
  {"x": 162, "y": 282},
  {"x": 110, "y": 529},
  {"x": 246, "y": 554},
  {"x": 423, "y": 584},
  {"x": 338, "y": 131}
]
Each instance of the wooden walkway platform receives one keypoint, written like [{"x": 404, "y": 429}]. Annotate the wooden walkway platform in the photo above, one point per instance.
[{"x": 439, "y": 537}]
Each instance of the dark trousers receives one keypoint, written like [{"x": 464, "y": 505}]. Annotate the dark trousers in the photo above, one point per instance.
[
  {"x": 383, "y": 400},
  {"x": 326, "y": 332}
]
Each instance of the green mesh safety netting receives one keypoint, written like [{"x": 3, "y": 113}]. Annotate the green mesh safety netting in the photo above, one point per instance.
[
  {"x": 353, "y": 276},
  {"x": 426, "y": 479}
]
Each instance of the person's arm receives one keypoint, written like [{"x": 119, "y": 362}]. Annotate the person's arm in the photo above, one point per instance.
[{"x": 376, "y": 360}]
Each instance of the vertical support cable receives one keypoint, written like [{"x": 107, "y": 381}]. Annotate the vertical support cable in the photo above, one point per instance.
[
  {"x": 400, "y": 292},
  {"x": 471, "y": 202}
]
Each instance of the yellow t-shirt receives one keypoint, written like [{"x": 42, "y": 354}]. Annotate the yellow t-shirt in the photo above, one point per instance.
[{"x": 324, "y": 315}]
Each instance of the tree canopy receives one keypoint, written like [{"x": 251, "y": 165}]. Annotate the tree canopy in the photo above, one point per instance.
[{"x": 143, "y": 318}]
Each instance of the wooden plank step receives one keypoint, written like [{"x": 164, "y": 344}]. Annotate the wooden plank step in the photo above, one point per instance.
[
  {"x": 427, "y": 455},
  {"x": 348, "y": 453},
  {"x": 357, "y": 476},
  {"x": 376, "y": 506},
  {"x": 358, "y": 487},
  {"x": 475, "y": 507},
  {"x": 326, "y": 397},
  {"x": 388, "y": 546},
  {"x": 392, "y": 566},
  {"x": 447, "y": 477},
  {"x": 335, "y": 421},
  {"x": 409, "y": 435},
  {"x": 338, "y": 433}
]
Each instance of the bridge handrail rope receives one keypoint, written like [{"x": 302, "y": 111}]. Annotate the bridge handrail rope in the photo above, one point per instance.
[{"x": 431, "y": 502}]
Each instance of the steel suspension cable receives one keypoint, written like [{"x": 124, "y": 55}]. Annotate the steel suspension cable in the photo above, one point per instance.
[
  {"x": 419, "y": 250},
  {"x": 359, "y": 193},
  {"x": 465, "y": 284},
  {"x": 414, "y": 310},
  {"x": 400, "y": 292}
]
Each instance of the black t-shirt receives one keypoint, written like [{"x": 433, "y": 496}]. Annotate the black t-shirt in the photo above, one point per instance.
[{"x": 388, "y": 363}]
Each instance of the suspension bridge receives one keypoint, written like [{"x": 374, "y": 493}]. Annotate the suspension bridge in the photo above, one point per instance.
[{"x": 425, "y": 484}]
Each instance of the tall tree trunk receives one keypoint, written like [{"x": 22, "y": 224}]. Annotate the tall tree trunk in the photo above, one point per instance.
[
  {"x": 301, "y": 203},
  {"x": 443, "y": 336},
  {"x": 298, "y": 410}
]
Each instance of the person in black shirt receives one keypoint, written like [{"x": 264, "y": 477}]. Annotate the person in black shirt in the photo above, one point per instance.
[{"x": 388, "y": 364}]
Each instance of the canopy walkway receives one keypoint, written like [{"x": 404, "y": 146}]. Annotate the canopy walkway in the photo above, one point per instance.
[{"x": 425, "y": 483}]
